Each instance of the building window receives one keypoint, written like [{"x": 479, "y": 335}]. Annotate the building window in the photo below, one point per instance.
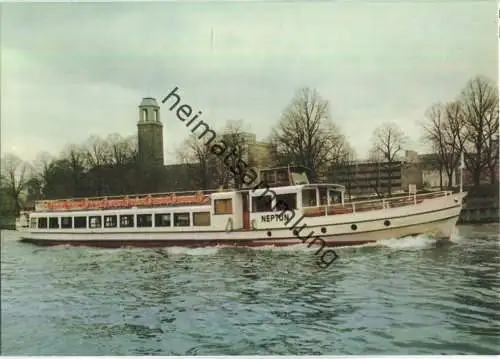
[
  {"x": 309, "y": 198},
  {"x": 33, "y": 223},
  {"x": 42, "y": 222},
  {"x": 110, "y": 221},
  {"x": 144, "y": 220},
  {"x": 162, "y": 220},
  {"x": 268, "y": 177},
  {"x": 53, "y": 222},
  {"x": 126, "y": 220},
  {"x": 223, "y": 206},
  {"x": 157, "y": 119},
  {"x": 181, "y": 220},
  {"x": 286, "y": 201},
  {"x": 201, "y": 218},
  {"x": 80, "y": 222},
  {"x": 66, "y": 222},
  {"x": 95, "y": 222},
  {"x": 144, "y": 115},
  {"x": 262, "y": 204}
]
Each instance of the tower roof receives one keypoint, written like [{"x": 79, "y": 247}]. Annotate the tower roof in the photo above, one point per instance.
[{"x": 149, "y": 101}]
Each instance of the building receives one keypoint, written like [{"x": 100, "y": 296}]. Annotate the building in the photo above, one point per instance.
[
  {"x": 255, "y": 153},
  {"x": 259, "y": 154},
  {"x": 150, "y": 134},
  {"x": 366, "y": 178}
]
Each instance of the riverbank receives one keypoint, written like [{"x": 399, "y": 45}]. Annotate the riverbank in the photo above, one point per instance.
[
  {"x": 481, "y": 205},
  {"x": 7, "y": 223}
]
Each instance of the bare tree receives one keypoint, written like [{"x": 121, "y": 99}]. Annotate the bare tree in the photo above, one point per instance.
[
  {"x": 444, "y": 130},
  {"x": 196, "y": 152},
  {"x": 76, "y": 158},
  {"x": 39, "y": 177},
  {"x": 238, "y": 149},
  {"x": 15, "y": 175},
  {"x": 121, "y": 151},
  {"x": 480, "y": 102},
  {"x": 97, "y": 152},
  {"x": 387, "y": 144},
  {"x": 434, "y": 135},
  {"x": 305, "y": 134}
]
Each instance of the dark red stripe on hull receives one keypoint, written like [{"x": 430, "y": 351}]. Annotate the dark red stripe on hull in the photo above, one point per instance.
[{"x": 173, "y": 243}]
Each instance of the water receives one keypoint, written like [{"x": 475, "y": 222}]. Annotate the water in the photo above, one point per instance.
[{"x": 407, "y": 296}]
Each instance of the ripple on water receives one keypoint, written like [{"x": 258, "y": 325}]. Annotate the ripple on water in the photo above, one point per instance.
[{"x": 405, "y": 296}]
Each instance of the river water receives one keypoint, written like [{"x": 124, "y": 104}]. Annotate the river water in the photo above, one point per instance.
[{"x": 407, "y": 296}]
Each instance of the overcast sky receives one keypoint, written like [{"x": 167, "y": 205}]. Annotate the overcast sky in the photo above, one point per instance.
[{"x": 72, "y": 70}]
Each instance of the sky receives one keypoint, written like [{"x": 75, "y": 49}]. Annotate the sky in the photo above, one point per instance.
[{"x": 72, "y": 70}]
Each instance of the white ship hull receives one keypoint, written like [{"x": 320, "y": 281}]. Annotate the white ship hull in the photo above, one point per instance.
[{"x": 435, "y": 217}]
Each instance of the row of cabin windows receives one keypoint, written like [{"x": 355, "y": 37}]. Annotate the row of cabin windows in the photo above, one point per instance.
[
  {"x": 289, "y": 200},
  {"x": 259, "y": 204},
  {"x": 124, "y": 221},
  {"x": 283, "y": 201}
]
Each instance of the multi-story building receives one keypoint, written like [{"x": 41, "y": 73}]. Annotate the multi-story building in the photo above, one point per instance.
[{"x": 372, "y": 178}]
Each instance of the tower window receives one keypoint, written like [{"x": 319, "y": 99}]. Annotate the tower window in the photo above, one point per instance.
[
  {"x": 144, "y": 115},
  {"x": 156, "y": 116}
]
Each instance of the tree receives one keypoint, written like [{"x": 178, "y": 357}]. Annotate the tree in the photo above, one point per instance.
[
  {"x": 388, "y": 141},
  {"x": 305, "y": 134},
  {"x": 195, "y": 151},
  {"x": 480, "y": 102},
  {"x": 14, "y": 177},
  {"x": 238, "y": 148},
  {"x": 444, "y": 130},
  {"x": 122, "y": 151}
]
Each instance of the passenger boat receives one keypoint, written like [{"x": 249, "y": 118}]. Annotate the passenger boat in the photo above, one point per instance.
[{"x": 292, "y": 211}]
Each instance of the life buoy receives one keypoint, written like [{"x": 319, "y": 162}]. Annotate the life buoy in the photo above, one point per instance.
[
  {"x": 229, "y": 225},
  {"x": 254, "y": 224}
]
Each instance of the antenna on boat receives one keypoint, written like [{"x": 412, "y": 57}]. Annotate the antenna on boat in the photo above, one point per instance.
[{"x": 462, "y": 165}]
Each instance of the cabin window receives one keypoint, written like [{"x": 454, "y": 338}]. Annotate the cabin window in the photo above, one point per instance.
[
  {"x": 66, "y": 222},
  {"x": 309, "y": 198},
  {"x": 262, "y": 204},
  {"x": 33, "y": 223},
  {"x": 323, "y": 196},
  {"x": 110, "y": 221},
  {"x": 181, "y": 220},
  {"x": 127, "y": 220},
  {"x": 42, "y": 222},
  {"x": 162, "y": 220},
  {"x": 95, "y": 222},
  {"x": 286, "y": 201},
  {"x": 80, "y": 222},
  {"x": 335, "y": 197},
  {"x": 144, "y": 220},
  {"x": 53, "y": 222},
  {"x": 201, "y": 218},
  {"x": 223, "y": 206}
]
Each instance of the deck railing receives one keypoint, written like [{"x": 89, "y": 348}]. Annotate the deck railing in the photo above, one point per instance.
[
  {"x": 125, "y": 201},
  {"x": 374, "y": 204}
]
